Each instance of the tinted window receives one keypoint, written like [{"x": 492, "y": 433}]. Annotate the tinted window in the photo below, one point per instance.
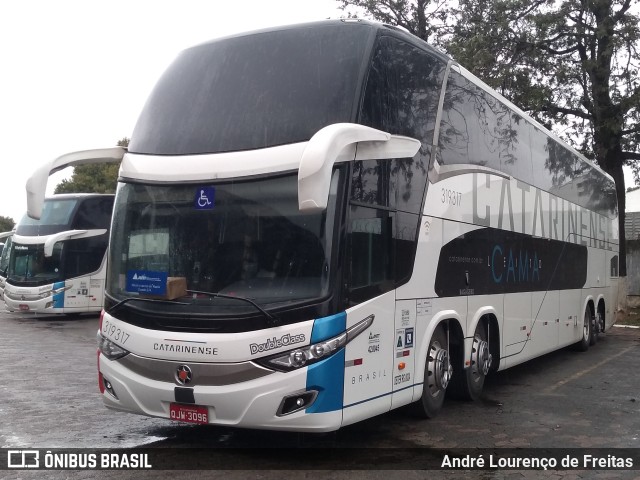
[
  {"x": 84, "y": 256},
  {"x": 382, "y": 240},
  {"x": 562, "y": 173},
  {"x": 94, "y": 213},
  {"x": 254, "y": 91},
  {"x": 477, "y": 128},
  {"x": 56, "y": 217},
  {"x": 401, "y": 97}
]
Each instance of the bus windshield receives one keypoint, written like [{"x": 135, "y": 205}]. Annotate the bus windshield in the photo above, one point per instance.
[
  {"x": 254, "y": 91},
  {"x": 56, "y": 217},
  {"x": 245, "y": 239},
  {"x": 29, "y": 266}
]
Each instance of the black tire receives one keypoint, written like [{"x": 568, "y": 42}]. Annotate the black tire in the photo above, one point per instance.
[
  {"x": 596, "y": 327},
  {"x": 437, "y": 374},
  {"x": 585, "y": 341},
  {"x": 467, "y": 383}
]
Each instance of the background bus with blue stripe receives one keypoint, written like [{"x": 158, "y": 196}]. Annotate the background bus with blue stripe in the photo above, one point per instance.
[{"x": 57, "y": 264}]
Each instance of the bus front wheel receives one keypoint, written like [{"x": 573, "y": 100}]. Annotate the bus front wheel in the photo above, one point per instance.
[{"x": 437, "y": 374}]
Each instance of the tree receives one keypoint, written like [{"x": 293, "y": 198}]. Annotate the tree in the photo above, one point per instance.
[
  {"x": 571, "y": 64},
  {"x": 6, "y": 225},
  {"x": 93, "y": 178},
  {"x": 426, "y": 19}
]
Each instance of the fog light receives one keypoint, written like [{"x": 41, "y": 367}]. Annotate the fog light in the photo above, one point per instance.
[
  {"x": 296, "y": 402},
  {"x": 108, "y": 387}
]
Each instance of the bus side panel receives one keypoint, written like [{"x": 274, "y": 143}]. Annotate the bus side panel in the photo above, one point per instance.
[
  {"x": 368, "y": 366},
  {"x": 404, "y": 357},
  {"x": 517, "y": 324},
  {"x": 421, "y": 284},
  {"x": 570, "y": 318},
  {"x": 546, "y": 323},
  {"x": 77, "y": 297},
  {"x": 96, "y": 290}
]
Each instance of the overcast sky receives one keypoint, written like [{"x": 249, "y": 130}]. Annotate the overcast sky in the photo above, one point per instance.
[{"x": 76, "y": 73}]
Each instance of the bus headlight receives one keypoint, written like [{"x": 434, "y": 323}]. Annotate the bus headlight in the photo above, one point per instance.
[
  {"x": 54, "y": 291},
  {"x": 110, "y": 349},
  {"x": 305, "y": 356},
  {"x": 63, "y": 288}
]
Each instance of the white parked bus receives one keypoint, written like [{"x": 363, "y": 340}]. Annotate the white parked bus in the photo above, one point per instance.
[
  {"x": 57, "y": 264},
  {"x": 5, "y": 245},
  {"x": 319, "y": 223}
]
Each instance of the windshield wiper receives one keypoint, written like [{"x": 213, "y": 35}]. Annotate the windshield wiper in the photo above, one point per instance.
[{"x": 271, "y": 320}]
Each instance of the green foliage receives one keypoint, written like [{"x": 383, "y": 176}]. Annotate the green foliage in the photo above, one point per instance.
[
  {"x": 93, "y": 178},
  {"x": 97, "y": 178},
  {"x": 6, "y": 224},
  {"x": 426, "y": 19}
]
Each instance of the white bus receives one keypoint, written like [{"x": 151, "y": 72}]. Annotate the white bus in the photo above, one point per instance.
[
  {"x": 4, "y": 258},
  {"x": 316, "y": 224},
  {"x": 57, "y": 264}
]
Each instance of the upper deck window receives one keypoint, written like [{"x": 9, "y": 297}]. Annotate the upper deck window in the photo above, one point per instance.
[
  {"x": 56, "y": 217},
  {"x": 254, "y": 91}
]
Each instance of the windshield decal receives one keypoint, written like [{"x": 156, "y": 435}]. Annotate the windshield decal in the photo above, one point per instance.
[
  {"x": 205, "y": 198},
  {"x": 147, "y": 282}
]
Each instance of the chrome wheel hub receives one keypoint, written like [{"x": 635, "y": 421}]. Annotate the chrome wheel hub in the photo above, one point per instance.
[
  {"x": 440, "y": 369},
  {"x": 480, "y": 357}
]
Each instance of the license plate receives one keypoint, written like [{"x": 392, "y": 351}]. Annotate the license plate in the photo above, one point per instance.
[
  {"x": 189, "y": 413},
  {"x": 23, "y": 307}
]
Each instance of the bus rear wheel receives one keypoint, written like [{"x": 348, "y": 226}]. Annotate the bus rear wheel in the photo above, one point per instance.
[
  {"x": 597, "y": 326},
  {"x": 468, "y": 382},
  {"x": 437, "y": 374}
]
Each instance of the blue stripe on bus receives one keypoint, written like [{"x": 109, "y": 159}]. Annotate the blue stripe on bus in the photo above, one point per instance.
[
  {"x": 327, "y": 327},
  {"x": 327, "y": 376},
  {"x": 58, "y": 298}
]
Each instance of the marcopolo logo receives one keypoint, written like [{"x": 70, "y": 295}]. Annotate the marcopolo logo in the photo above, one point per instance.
[{"x": 274, "y": 343}]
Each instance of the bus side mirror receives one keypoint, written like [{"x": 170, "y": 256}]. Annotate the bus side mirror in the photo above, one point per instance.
[
  {"x": 37, "y": 182},
  {"x": 337, "y": 143}
]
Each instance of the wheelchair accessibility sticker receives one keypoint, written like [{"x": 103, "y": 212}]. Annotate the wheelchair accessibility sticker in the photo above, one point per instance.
[{"x": 205, "y": 198}]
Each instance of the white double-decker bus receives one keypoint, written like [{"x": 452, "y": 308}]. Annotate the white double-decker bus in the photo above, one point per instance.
[
  {"x": 5, "y": 243},
  {"x": 57, "y": 264},
  {"x": 319, "y": 223}
]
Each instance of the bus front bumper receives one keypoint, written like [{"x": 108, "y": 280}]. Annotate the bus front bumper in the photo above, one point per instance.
[{"x": 255, "y": 403}]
